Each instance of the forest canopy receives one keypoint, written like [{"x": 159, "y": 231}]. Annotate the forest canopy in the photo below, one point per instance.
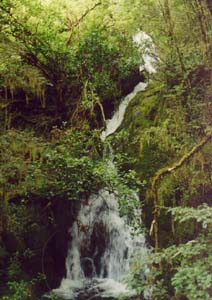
[{"x": 62, "y": 61}]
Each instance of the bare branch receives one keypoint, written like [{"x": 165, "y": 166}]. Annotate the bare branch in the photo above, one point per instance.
[{"x": 78, "y": 21}]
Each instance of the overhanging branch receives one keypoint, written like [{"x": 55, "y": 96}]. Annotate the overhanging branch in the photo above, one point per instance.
[
  {"x": 162, "y": 173},
  {"x": 78, "y": 21}
]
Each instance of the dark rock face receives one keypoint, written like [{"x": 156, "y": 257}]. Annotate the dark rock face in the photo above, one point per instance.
[
  {"x": 54, "y": 255},
  {"x": 90, "y": 291},
  {"x": 46, "y": 236},
  {"x": 95, "y": 249},
  {"x": 126, "y": 86}
]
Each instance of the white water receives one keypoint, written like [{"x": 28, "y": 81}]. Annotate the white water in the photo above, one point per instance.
[
  {"x": 148, "y": 51},
  {"x": 148, "y": 54},
  {"x": 113, "y": 124},
  {"x": 102, "y": 242},
  {"x": 99, "y": 214},
  {"x": 100, "y": 250}
]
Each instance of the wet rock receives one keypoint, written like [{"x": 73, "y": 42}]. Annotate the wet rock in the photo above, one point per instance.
[{"x": 92, "y": 289}]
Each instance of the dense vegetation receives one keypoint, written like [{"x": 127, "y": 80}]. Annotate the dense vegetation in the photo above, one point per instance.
[{"x": 64, "y": 66}]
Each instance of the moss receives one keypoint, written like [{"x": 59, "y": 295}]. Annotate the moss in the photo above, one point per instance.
[
  {"x": 159, "y": 134},
  {"x": 142, "y": 111}
]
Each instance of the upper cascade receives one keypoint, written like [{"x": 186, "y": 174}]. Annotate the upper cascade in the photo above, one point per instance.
[
  {"x": 148, "y": 54},
  {"x": 148, "y": 51},
  {"x": 113, "y": 124}
]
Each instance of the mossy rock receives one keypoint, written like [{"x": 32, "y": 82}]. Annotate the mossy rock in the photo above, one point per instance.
[
  {"x": 145, "y": 111},
  {"x": 142, "y": 111}
]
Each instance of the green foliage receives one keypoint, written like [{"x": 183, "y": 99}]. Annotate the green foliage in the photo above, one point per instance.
[
  {"x": 19, "y": 291},
  {"x": 18, "y": 150},
  {"x": 164, "y": 123},
  {"x": 202, "y": 215},
  {"x": 14, "y": 268},
  {"x": 183, "y": 269},
  {"x": 66, "y": 61},
  {"x": 56, "y": 59},
  {"x": 70, "y": 166}
]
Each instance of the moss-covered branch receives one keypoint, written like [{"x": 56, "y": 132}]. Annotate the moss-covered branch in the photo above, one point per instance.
[
  {"x": 160, "y": 175},
  {"x": 166, "y": 171}
]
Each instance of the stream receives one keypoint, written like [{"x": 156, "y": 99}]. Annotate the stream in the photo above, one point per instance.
[{"x": 102, "y": 243}]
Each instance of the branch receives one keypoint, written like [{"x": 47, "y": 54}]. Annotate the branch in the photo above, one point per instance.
[
  {"x": 77, "y": 23},
  {"x": 22, "y": 33},
  {"x": 102, "y": 112},
  {"x": 162, "y": 173},
  {"x": 32, "y": 59}
]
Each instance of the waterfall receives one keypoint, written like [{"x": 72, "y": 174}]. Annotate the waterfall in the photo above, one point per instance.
[
  {"x": 148, "y": 53},
  {"x": 102, "y": 242},
  {"x": 98, "y": 257},
  {"x": 113, "y": 124},
  {"x": 99, "y": 251}
]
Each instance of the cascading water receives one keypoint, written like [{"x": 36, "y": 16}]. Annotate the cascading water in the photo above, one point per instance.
[
  {"x": 149, "y": 55},
  {"x": 99, "y": 253},
  {"x": 148, "y": 52},
  {"x": 113, "y": 124},
  {"x": 101, "y": 241}
]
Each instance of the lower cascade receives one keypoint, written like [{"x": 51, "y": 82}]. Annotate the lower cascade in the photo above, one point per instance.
[{"x": 100, "y": 250}]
